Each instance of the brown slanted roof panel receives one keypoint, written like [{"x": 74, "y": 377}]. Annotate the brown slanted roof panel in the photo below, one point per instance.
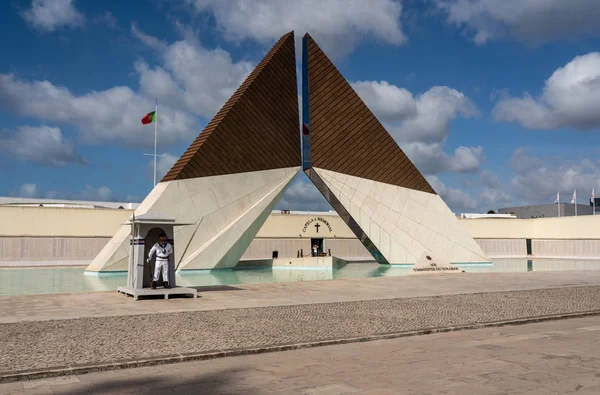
[
  {"x": 345, "y": 136},
  {"x": 256, "y": 129}
]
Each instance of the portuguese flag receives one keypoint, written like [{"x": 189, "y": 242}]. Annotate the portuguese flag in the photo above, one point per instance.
[{"x": 149, "y": 118}]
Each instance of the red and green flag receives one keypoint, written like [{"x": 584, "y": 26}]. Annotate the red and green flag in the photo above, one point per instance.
[{"x": 149, "y": 118}]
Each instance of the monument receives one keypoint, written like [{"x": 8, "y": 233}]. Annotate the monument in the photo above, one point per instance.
[{"x": 230, "y": 178}]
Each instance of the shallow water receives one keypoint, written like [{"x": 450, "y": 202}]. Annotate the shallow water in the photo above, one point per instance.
[{"x": 47, "y": 280}]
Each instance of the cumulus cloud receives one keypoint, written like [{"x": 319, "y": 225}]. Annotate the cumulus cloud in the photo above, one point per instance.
[
  {"x": 436, "y": 108},
  {"x": 303, "y": 195},
  {"x": 494, "y": 194},
  {"x": 89, "y": 192},
  {"x": 112, "y": 115},
  {"x": 531, "y": 21},
  {"x": 389, "y": 102},
  {"x": 455, "y": 198},
  {"x": 164, "y": 163},
  {"x": 43, "y": 145},
  {"x": 337, "y": 25},
  {"x": 421, "y": 124},
  {"x": 536, "y": 180},
  {"x": 191, "y": 77},
  {"x": 431, "y": 158},
  {"x": 102, "y": 193},
  {"x": 51, "y": 15},
  {"x": 570, "y": 98},
  {"x": 29, "y": 191}
]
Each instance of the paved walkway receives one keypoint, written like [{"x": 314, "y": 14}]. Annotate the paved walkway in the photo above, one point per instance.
[
  {"x": 103, "y": 304},
  {"x": 558, "y": 357},
  {"x": 78, "y": 342}
]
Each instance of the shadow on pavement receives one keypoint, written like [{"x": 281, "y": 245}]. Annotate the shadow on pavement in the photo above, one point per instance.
[{"x": 224, "y": 382}]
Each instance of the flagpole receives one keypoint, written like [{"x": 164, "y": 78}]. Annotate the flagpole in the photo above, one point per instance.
[
  {"x": 575, "y": 196},
  {"x": 155, "y": 136},
  {"x": 593, "y": 202},
  {"x": 558, "y": 202}
]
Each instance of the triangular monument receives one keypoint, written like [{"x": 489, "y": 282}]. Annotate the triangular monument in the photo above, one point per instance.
[{"x": 230, "y": 178}]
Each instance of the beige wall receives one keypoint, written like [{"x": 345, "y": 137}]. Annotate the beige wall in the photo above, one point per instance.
[
  {"x": 50, "y": 221},
  {"x": 293, "y": 226},
  {"x": 566, "y": 248},
  {"x": 263, "y": 248},
  {"x": 581, "y": 227},
  {"x": 73, "y": 222},
  {"x": 288, "y": 248},
  {"x": 47, "y": 234},
  {"x": 499, "y": 228},
  {"x": 503, "y": 247},
  {"x": 15, "y": 249}
]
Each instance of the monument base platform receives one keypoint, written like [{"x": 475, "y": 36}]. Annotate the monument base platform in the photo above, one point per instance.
[
  {"x": 166, "y": 292},
  {"x": 319, "y": 262}
]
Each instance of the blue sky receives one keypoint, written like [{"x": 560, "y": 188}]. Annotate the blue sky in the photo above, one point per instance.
[{"x": 496, "y": 101}]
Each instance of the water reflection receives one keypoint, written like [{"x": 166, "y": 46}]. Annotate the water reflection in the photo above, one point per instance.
[{"x": 24, "y": 281}]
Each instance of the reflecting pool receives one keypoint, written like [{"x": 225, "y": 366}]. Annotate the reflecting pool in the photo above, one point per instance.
[{"x": 45, "y": 280}]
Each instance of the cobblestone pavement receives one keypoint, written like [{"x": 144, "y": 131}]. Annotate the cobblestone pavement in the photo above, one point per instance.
[
  {"x": 45, "y": 344},
  {"x": 556, "y": 357},
  {"x": 103, "y": 304}
]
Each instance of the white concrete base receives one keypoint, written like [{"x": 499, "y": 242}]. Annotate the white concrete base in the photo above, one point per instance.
[
  {"x": 400, "y": 223},
  {"x": 428, "y": 264},
  {"x": 325, "y": 262},
  {"x": 225, "y": 213},
  {"x": 166, "y": 292}
]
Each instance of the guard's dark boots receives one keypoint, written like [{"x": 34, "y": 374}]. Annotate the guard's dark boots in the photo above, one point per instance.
[
  {"x": 153, "y": 284},
  {"x": 167, "y": 285}
]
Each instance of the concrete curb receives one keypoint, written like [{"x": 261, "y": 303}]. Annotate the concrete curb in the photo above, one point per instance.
[{"x": 8, "y": 377}]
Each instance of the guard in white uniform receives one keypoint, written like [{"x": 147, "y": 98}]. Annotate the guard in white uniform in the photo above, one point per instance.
[{"x": 162, "y": 249}]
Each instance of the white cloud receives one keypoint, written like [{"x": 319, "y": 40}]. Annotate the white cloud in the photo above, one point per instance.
[
  {"x": 112, "y": 115},
  {"x": 494, "y": 194},
  {"x": 455, "y": 198},
  {"x": 337, "y": 25},
  {"x": 29, "y": 191},
  {"x": 536, "y": 180},
  {"x": 189, "y": 79},
  {"x": 436, "y": 108},
  {"x": 89, "y": 192},
  {"x": 571, "y": 98},
  {"x": 164, "y": 163},
  {"x": 191, "y": 76},
  {"x": 421, "y": 124},
  {"x": 43, "y": 144},
  {"x": 51, "y": 15},
  {"x": 102, "y": 193},
  {"x": 303, "y": 195},
  {"x": 389, "y": 102},
  {"x": 430, "y": 158},
  {"x": 531, "y": 21}
]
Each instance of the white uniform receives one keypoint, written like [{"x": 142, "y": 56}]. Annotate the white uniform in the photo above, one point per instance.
[{"x": 162, "y": 260}]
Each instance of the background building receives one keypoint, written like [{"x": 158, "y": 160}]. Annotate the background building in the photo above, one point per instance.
[{"x": 547, "y": 210}]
